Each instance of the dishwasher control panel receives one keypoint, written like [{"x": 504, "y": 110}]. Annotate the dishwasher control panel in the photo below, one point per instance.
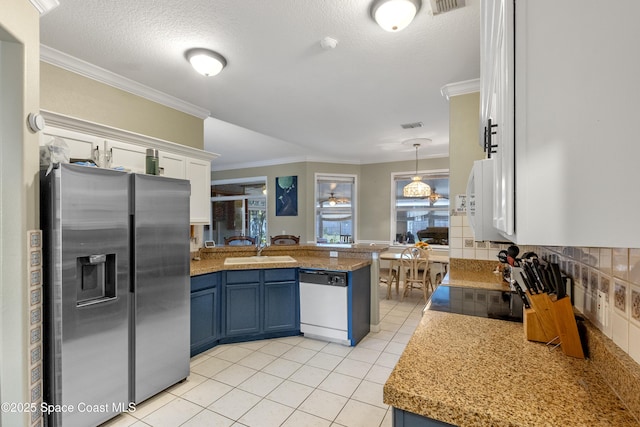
[{"x": 324, "y": 277}]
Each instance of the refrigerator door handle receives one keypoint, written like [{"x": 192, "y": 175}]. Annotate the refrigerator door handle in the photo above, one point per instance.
[{"x": 96, "y": 301}]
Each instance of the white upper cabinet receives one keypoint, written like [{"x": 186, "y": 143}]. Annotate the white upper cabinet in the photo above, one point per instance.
[
  {"x": 561, "y": 81},
  {"x": 496, "y": 106},
  {"x": 128, "y": 156},
  {"x": 172, "y": 165},
  {"x": 112, "y": 148},
  {"x": 199, "y": 174}
]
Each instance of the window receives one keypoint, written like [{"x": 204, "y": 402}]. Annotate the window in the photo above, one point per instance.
[
  {"x": 335, "y": 208},
  {"x": 239, "y": 208},
  {"x": 414, "y": 215}
]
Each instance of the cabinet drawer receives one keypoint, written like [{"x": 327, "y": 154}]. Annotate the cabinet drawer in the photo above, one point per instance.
[
  {"x": 243, "y": 276},
  {"x": 279, "y": 274},
  {"x": 205, "y": 281}
]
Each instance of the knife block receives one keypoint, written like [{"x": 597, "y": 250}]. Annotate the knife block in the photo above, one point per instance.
[
  {"x": 533, "y": 330},
  {"x": 548, "y": 320},
  {"x": 539, "y": 324},
  {"x": 567, "y": 328}
]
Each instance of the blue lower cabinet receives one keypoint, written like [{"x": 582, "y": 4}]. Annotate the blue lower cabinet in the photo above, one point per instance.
[
  {"x": 260, "y": 304},
  {"x": 408, "y": 419},
  {"x": 359, "y": 304},
  {"x": 205, "y": 312},
  {"x": 281, "y": 308},
  {"x": 242, "y": 309}
]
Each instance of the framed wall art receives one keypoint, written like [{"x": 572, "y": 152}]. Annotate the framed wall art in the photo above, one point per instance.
[{"x": 287, "y": 196}]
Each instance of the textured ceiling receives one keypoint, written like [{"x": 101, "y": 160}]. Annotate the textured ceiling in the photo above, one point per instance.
[{"x": 281, "y": 96}]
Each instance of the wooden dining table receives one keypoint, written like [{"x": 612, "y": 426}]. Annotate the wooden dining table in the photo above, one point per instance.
[{"x": 438, "y": 264}]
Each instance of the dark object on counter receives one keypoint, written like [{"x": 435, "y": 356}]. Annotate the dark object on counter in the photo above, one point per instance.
[
  {"x": 512, "y": 254},
  {"x": 528, "y": 255},
  {"x": 561, "y": 289},
  {"x": 513, "y": 251},
  {"x": 537, "y": 270},
  {"x": 523, "y": 296},
  {"x": 533, "y": 279},
  {"x": 531, "y": 288},
  {"x": 493, "y": 304}
]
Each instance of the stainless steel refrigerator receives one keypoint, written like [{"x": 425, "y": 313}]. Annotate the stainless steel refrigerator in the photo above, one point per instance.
[{"x": 116, "y": 290}]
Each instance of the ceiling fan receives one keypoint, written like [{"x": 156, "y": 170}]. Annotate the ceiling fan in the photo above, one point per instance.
[
  {"x": 434, "y": 197},
  {"x": 333, "y": 200}
]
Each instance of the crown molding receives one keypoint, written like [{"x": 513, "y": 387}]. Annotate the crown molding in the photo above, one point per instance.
[
  {"x": 44, "y": 6},
  {"x": 83, "y": 68},
  {"x": 73, "y": 124},
  {"x": 304, "y": 159},
  {"x": 460, "y": 88}
]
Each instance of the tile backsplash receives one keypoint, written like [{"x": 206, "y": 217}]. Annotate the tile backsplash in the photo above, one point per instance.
[
  {"x": 462, "y": 244},
  {"x": 606, "y": 289},
  {"x": 606, "y": 281}
]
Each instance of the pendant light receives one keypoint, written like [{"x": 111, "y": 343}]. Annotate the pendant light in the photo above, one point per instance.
[
  {"x": 394, "y": 15},
  {"x": 416, "y": 188}
]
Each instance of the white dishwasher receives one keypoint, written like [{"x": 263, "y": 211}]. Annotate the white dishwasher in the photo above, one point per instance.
[{"x": 324, "y": 305}]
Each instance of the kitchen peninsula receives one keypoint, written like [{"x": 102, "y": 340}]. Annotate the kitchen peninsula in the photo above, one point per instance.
[
  {"x": 237, "y": 295},
  {"x": 349, "y": 257},
  {"x": 470, "y": 371}
]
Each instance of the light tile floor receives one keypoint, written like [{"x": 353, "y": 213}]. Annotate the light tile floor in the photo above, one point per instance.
[{"x": 289, "y": 382}]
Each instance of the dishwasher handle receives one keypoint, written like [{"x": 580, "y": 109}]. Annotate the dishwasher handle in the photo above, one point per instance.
[
  {"x": 323, "y": 277},
  {"x": 314, "y": 276}
]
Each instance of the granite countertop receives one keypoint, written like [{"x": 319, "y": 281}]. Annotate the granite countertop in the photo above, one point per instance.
[
  {"x": 211, "y": 265},
  {"x": 476, "y": 279},
  {"x": 473, "y": 371}
]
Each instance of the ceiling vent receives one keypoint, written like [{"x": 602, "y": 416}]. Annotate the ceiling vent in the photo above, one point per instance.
[
  {"x": 442, "y": 6},
  {"x": 412, "y": 125}
]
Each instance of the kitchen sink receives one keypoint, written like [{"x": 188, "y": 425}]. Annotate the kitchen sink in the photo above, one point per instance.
[{"x": 265, "y": 259}]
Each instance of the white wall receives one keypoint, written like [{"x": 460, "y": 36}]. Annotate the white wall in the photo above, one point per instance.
[{"x": 19, "y": 164}]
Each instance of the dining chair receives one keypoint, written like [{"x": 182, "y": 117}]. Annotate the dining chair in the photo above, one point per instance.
[
  {"x": 285, "y": 239},
  {"x": 414, "y": 263},
  {"x": 240, "y": 241},
  {"x": 389, "y": 276}
]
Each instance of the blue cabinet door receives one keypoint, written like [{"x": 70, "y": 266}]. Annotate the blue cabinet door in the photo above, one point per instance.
[
  {"x": 242, "y": 309},
  {"x": 204, "y": 325},
  {"x": 205, "y": 312},
  {"x": 281, "y": 308}
]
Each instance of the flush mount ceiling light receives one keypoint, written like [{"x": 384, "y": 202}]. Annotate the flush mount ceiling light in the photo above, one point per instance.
[
  {"x": 205, "y": 61},
  {"x": 416, "y": 188},
  {"x": 394, "y": 15}
]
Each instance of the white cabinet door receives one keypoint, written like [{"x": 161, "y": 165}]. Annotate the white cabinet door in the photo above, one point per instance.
[
  {"x": 128, "y": 156},
  {"x": 85, "y": 148},
  {"x": 172, "y": 165},
  {"x": 501, "y": 114},
  {"x": 566, "y": 106},
  {"x": 198, "y": 172}
]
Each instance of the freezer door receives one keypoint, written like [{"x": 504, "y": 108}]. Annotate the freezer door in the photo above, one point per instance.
[
  {"x": 85, "y": 218},
  {"x": 161, "y": 315}
]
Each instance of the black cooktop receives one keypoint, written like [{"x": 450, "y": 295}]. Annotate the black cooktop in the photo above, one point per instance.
[{"x": 477, "y": 302}]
